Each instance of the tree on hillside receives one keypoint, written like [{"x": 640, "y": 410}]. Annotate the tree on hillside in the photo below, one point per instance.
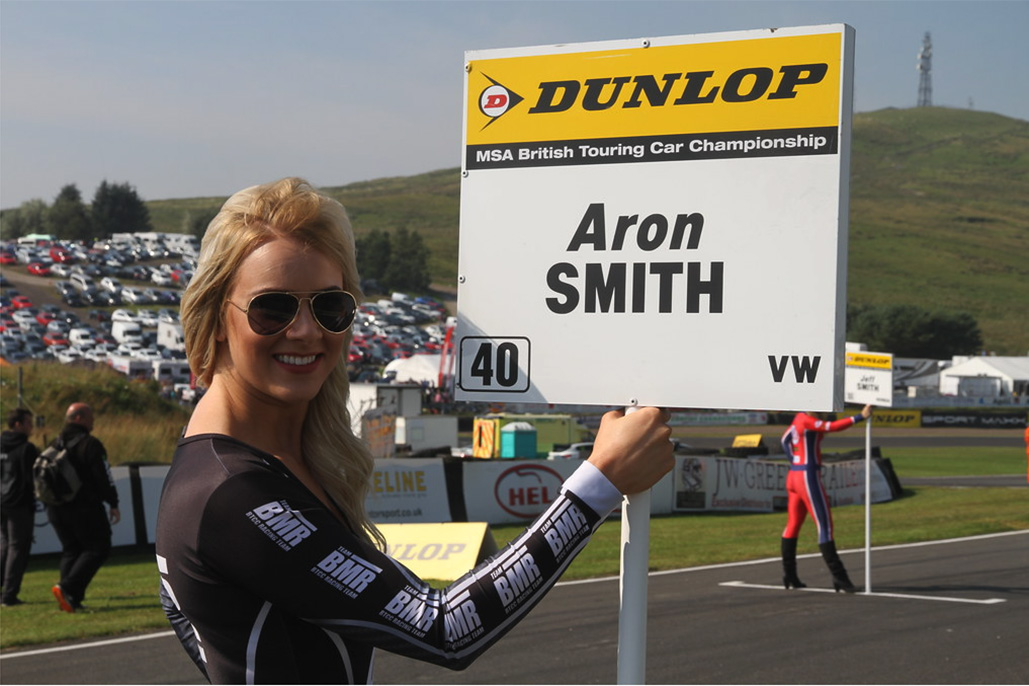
[
  {"x": 912, "y": 331},
  {"x": 409, "y": 262},
  {"x": 68, "y": 217},
  {"x": 196, "y": 224},
  {"x": 118, "y": 209},
  {"x": 373, "y": 255},
  {"x": 28, "y": 218}
]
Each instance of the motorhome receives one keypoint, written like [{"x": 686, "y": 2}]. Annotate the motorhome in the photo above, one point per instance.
[{"x": 127, "y": 332}]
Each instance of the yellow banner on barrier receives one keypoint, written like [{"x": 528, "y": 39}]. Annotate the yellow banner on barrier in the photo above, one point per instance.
[
  {"x": 439, "y": 550},
  {"x": 747, "y": 441},
  {"x": 906, "y": 419}
]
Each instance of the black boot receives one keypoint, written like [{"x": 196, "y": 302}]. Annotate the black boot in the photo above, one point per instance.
[
  {"x": 840, "y": 580},
  {"x": 789, "y": 564}
]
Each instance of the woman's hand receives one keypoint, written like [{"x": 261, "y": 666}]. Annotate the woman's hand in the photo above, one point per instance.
[
  {"x": 866, "y": 411},
  {"x": 633, "y": 451}
]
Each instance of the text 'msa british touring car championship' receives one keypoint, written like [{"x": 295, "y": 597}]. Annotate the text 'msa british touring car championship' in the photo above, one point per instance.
[{"x": 657, "y": 221}]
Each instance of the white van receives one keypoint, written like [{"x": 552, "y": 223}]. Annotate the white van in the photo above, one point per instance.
[
  {"x": 127, "y": 332},
  {"x": 80, "y": 335}
]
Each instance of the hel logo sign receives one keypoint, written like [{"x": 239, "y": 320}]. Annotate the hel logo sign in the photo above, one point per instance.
[
  {"x": 657, "y": 222},
  {"x": 526, "y": 490}
]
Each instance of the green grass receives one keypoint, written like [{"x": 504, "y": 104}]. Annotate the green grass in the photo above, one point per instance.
[
  {"x": 121, "y": 600},
  {"x": 947, "y": 461}
]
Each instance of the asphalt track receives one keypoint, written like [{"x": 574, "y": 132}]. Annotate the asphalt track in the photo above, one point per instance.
[{"x": 949, "y": 612}]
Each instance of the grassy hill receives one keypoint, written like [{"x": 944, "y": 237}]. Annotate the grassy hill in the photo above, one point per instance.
[{"x": 939, "y": 216}]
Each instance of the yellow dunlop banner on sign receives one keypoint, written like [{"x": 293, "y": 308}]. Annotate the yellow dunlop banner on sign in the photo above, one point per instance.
[
  {"x": 774, "y": 84},
  {"x": 870, "y": 360}
]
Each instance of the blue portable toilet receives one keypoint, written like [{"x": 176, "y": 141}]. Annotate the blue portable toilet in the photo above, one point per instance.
[{"x": 518, "y": 439}]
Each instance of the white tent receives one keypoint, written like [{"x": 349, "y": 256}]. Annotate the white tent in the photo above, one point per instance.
[
  {"x": 420, "y": 369},
  {"x": 986, "y": 377}
]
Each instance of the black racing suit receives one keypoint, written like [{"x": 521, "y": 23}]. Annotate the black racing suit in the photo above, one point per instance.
[{"x": 263, "y": 585}]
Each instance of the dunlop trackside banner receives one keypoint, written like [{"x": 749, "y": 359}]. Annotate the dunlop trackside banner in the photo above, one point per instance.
[{"x": 657, "y": 221}]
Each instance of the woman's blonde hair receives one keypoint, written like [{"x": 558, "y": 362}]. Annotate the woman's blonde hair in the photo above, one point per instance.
[{"x": 289, "y": 208}]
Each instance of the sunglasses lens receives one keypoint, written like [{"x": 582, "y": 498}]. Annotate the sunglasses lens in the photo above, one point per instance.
[
  {"x": 334, "y": 310},
  {"x": 272, "y": 312}
]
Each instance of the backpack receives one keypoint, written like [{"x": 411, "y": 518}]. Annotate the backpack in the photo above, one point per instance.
[{"x": 54, "y": 477}]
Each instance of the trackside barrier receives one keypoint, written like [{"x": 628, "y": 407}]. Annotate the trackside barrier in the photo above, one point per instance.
[{"x": 514, "y": 491}]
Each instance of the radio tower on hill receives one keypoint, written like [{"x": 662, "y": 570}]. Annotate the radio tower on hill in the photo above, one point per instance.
[{"x": 925, "y": 66}]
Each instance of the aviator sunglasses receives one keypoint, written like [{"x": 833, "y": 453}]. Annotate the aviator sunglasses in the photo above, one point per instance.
[{"x": 271, "y": 313}]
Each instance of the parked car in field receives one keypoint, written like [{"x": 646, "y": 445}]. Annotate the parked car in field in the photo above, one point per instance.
[
  {"x": 124, "y": 316},
  {"x": 25, "y": 316},
  {"x": 64, "y": 287},
  {"x": 61, "y": 255},
  {"x": 45, "y": 317},
  {"x": 146, "y": 317},
  {"x": 55, "y": 338},
  {"x": 69, "y": 355},
  {"x": 134, "y": 296},
  {"x": 110, "y": 284}
]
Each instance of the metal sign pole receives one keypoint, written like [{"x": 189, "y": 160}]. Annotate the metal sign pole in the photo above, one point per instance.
[
  {"x": 632, "y": 609},
  {"x": 868, "y": 506}
]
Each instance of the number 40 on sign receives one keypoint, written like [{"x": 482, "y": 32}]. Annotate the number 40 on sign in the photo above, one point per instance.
[{"x": 500, "y": 365}]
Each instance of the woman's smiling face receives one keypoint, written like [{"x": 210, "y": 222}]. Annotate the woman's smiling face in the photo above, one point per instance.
[{"x": 288, "y": 367}]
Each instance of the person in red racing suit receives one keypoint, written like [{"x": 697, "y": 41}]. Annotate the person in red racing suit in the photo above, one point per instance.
[
  {"x": 802, "y": 443},
  {"x": 271, "y": 570}
]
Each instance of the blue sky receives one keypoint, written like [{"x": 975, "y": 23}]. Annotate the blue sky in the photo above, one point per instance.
[{"x": 191, "y": 98}]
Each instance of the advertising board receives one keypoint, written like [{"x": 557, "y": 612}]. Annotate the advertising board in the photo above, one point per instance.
[
  {"x": 868, "y": 379},
  {"x": 624, "y": 204}
]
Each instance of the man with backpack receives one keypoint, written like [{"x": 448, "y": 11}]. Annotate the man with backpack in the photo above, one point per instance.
[
  {"x": 17, "y": 502},
  {"x": 83, "y": 525}
]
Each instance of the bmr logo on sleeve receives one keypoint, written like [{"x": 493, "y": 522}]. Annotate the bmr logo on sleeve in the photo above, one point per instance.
[{"x": 287, "y": 527}]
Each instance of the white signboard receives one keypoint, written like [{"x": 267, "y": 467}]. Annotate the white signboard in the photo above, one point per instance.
[
  {"x": 513, "y": 491},
  {"x": 659, "y": 221},
  {"x": 408, "y": 490},
  {"x": 869, "y": 378},
  {"x": 733, "y": 484}
]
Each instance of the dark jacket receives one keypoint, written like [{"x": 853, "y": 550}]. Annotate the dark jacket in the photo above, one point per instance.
[
  {"x": 17, "y": 454},
  {"x": 90, "y": 459}
]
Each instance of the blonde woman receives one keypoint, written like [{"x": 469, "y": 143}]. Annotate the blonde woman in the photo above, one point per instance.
[{"x": 271, "y": 570}]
